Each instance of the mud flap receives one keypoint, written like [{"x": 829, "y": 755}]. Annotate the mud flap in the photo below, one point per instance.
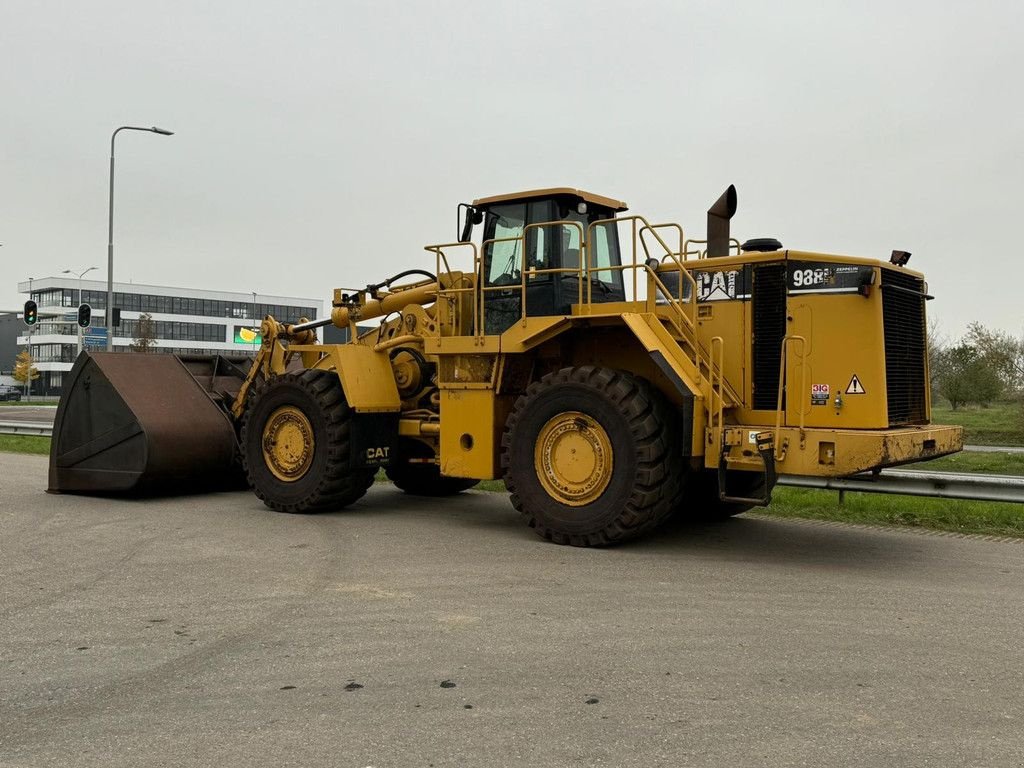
[
  {"x": 766, "y": 450},
  {"x": 374, "y": 439}
]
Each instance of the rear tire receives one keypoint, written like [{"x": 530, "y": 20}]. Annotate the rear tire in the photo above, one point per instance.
[
  {"x": 295, "y": 444},
  {"x": 419, "y": 479},
  {"x": 592, "y": 456}
]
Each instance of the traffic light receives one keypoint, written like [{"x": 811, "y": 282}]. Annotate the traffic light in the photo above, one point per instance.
[
  {"x": 31, "y": 312},
  {"x": 115, "y": 316},
  {"x": 84, "y": 315}
]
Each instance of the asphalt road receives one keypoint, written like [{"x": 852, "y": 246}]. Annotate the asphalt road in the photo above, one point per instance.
[
  {"x": 32, "y": 414},
  {"x": 210, "y": 631}
]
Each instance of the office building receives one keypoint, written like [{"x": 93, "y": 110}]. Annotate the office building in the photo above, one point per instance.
[{"x": 185, "y": 321}]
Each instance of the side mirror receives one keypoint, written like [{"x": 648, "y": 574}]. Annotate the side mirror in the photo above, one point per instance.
[{"x": 465, "y": 228}]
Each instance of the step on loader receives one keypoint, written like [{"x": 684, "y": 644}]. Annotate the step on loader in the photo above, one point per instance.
[{"x": 611, "y": 371}]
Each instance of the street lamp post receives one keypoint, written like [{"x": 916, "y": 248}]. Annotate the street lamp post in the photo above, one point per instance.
[
  {"x": 109, "y": 311},
  {"x": 28, "y": 382},
  {"x": 80, "y": 275}
]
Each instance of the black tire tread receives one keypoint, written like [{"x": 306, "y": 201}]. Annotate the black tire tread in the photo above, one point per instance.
[
  {"x": 339, "y": 484},
  {"x": 439, "y": 486},
  {"x": 660, "y": 479},
  {"x": 422, "y": 479}
]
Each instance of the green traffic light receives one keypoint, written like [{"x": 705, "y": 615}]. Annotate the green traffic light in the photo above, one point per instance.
[{"x": 31, "y": 313}]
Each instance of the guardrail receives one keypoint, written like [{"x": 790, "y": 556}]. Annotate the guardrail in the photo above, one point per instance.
[
  {"x": 906, "y": 482},
  {"x": 939, "y": 485},
  {"x": 26, "y": 428}
]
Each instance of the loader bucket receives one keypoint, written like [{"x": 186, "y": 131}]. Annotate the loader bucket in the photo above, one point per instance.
[{"x": 144, "y": 424}]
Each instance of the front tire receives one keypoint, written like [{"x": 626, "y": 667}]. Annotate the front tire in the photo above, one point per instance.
[
  {"x": 295, "y": 444},
  {"x": 592, "y": 456}
]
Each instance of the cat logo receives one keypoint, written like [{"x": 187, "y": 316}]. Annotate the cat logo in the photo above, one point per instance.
[
  {"x": 716, "y": 286},
  {"x": 375, "y": 454}
]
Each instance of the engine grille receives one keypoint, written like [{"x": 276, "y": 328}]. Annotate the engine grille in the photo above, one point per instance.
[
  {"x": 769, "y": 320},
  {"x": 903, "y": 325}
]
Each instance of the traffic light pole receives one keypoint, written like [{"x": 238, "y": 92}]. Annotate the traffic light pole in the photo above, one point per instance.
[
  {"x": 28, "y": 377},
  {"x": 79, "y": 324}
]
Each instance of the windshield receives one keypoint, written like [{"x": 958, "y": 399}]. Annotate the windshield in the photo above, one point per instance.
[
  {"x": 547, "y": 247},
  {"x": 504, "y": 258}
]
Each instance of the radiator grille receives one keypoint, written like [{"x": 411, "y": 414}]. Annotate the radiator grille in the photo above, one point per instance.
[
  {"x": 769, "y": 319},
  {"x": 903, "y": 324}
]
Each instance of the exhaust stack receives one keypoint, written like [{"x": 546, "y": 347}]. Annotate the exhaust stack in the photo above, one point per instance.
[{"x": 718, "y": 222}]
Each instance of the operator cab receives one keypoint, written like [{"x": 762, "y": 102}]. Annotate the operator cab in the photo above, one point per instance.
[{"x": 540, "y": 232}]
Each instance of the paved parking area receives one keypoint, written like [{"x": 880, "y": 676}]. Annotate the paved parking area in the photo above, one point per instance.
[{"x": 208, "y": 630}]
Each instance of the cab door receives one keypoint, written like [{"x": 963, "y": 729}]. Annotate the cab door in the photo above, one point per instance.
[{"x": 504, "y": 262}]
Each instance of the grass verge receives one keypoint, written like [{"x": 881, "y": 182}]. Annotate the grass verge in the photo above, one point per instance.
[
  {"x": 975, "y": 463},
  {"x": 25, "y": 444},
  {"x": 999, "y": 424},
  {"x": 978, "y": 517}
]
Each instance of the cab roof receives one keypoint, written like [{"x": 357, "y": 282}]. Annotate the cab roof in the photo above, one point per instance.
[{"x": 590, "y": 197}]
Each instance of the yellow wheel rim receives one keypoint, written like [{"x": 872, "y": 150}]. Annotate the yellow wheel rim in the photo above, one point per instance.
[
  {"x": 573, "y": 458},
  {"x": 288, "y": 443}
]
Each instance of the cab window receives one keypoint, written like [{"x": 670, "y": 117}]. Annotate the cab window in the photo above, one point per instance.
[
  {"x": 504, "y": 259},
  {"x": 604, "y": 252},
  {"x": 604, "y": 247}
]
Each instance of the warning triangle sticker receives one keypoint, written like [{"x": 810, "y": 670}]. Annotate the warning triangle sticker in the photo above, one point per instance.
[{"x": 855, "y": 387}]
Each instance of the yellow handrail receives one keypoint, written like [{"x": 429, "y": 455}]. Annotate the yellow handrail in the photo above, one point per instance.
[
  {"x": 438, "y": 251},
  {"x": 719, "y": 407},
  {"x": 684, "y": 309},
  {"x": 637, "y": 234},
  {"x": 667, "y": 225},
  {"x": 782, "y": 383},
  {"x": 703, "y": 254}
]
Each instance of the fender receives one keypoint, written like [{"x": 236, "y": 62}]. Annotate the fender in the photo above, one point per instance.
[
  {"x": 368, "y": 382},
  {"x": 366, "y": 377}
]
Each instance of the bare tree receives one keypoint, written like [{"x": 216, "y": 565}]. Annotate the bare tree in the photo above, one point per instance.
[
  {"x": 145, "y": 334},
  {"x": 938, "y": 344}
]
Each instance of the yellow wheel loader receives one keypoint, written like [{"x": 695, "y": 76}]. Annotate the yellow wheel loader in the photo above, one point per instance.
[{"x": 612, "y": 371}]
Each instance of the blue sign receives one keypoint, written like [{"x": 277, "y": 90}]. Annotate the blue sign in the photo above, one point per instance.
[{"x": 95, "y": 337}]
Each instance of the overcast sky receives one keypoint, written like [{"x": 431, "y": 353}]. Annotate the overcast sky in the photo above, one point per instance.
[{"x": 323, "y": 144}]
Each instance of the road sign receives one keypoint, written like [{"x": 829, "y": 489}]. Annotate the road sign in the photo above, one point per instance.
[{"x": 95, "y": 337}]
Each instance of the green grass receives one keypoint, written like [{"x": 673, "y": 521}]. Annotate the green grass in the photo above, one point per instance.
[
  {"x": 491, "y": 486},
  {"x": 25, "y": 444},
  {"x": 23, "y": 401},
  {"x": 978, "y": 517},
  {"x": 999, "y": 424},
  {"x": 975, "y": 462}
]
